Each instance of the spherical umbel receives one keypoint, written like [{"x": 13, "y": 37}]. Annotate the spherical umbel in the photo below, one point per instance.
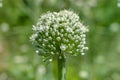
[{"x": 59, "y": 33}]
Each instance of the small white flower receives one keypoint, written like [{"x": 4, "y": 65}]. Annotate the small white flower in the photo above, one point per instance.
[
  {"x": 50, "y": 60},
  {"x": 86, "y": 48},
  {"x": 58, "y": 38},
  {"x": 82, "y": 53},
  {"x": 69, "y": 30},
  {"x": 63, "y": 47},
  {"x": 37, "y": 51},
  {"x": 52, "y": 52},
  {"x": 33, "y": 37}
]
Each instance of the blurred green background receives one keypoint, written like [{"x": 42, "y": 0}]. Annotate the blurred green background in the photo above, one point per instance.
[{"x": 18, "y": 60}]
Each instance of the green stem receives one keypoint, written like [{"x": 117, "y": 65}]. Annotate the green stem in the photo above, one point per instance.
[{"x": 61, "y": 67}]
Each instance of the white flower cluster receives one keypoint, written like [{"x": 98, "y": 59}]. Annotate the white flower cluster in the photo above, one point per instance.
[{"x": 59, "y": 32}]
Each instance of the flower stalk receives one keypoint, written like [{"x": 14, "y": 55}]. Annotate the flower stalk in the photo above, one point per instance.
[{"x": 61, "y": 67}]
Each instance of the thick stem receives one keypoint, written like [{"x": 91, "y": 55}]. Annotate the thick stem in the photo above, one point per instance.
[{"x": 61, "y": 67}]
